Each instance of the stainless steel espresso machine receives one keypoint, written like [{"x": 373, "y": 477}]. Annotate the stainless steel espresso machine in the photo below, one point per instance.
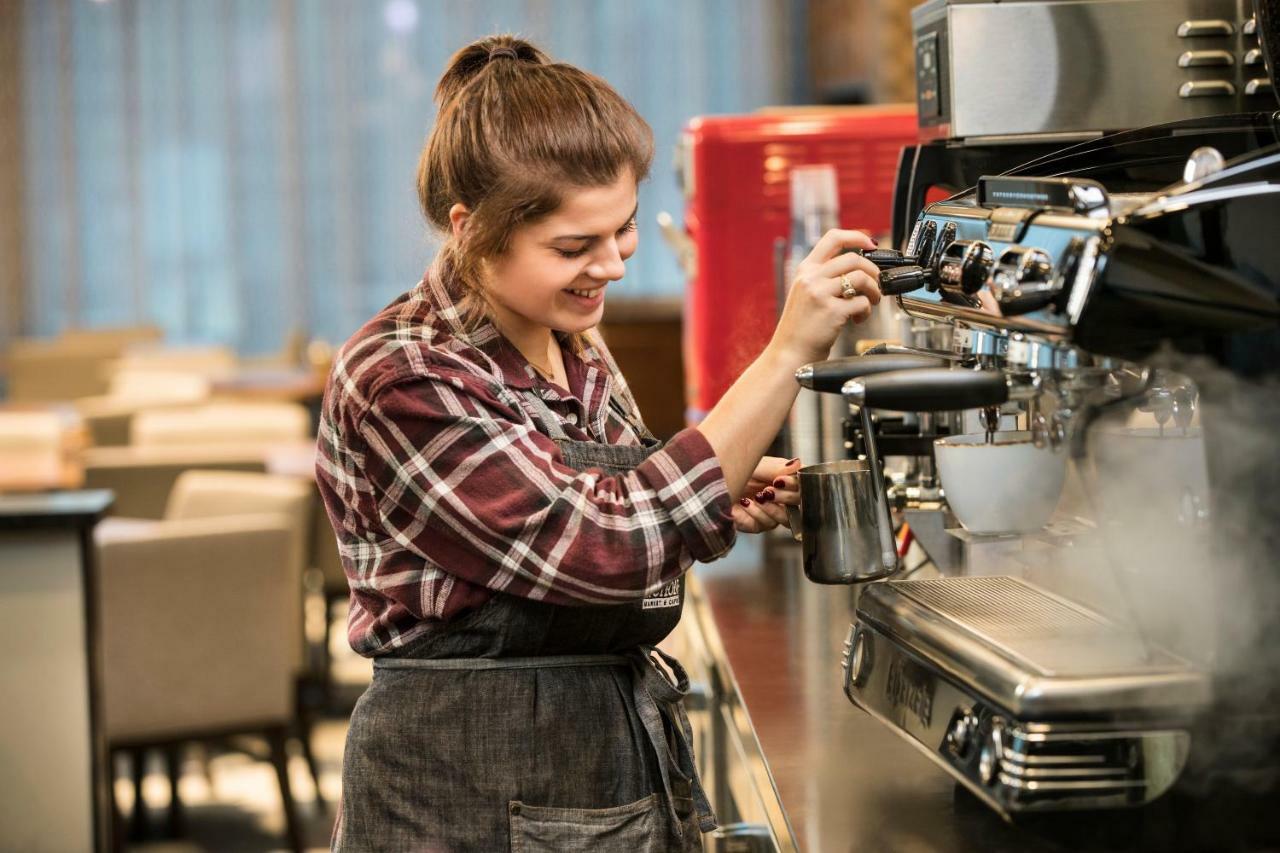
[{"x": 1109, "y": 627}]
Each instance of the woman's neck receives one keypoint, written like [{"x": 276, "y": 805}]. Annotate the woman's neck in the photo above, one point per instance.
[{"x": 536, "y": 343}]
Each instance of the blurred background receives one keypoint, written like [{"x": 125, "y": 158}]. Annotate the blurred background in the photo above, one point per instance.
[
  {"x": 239, "y": 171},
  {"x": 200, "y": 200}
]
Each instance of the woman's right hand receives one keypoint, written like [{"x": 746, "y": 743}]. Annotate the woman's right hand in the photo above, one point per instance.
[{"x": 815, "y": 310}]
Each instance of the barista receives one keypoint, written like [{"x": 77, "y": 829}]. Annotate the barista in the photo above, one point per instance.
[{"x": 514, "y": 537}]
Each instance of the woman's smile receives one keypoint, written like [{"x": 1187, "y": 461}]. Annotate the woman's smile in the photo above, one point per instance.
[{"x": 586, "y": 297}]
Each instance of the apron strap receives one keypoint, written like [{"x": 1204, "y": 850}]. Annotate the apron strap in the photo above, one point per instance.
[
  {"x": 657, "y": 698},
  {"x": 554, "y": 431}
]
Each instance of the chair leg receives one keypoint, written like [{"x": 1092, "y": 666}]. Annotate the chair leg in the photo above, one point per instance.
[
  {"x": 139, "y": 825},
  {"x": 304, "y": 727},
  {"x": 277, "y": 736},
  {"x": 326, "y": 655},
  {"x": 117, "y": 818},
  {"x": 177, "y": 816}
]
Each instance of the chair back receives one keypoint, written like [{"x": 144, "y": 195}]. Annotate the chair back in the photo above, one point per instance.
[
  {"x": 197, "y": 626},
  {"x": 212, "y": 494},
  {"x": 221, "y": 423},
  {"x": 42, "y": 371},
  {"x": 33, "y": 447}
]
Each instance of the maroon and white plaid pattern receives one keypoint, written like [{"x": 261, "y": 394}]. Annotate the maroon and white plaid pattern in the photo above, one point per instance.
[{"x": 442, "y": 490}]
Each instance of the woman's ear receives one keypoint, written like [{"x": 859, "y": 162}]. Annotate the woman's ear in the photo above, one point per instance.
[{"x": 458, "y": 216}]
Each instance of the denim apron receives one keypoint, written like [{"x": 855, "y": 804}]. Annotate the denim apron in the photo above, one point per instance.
[{"x": 529, "y": 726}]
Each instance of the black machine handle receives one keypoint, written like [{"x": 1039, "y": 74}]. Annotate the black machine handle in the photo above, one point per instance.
[
  {"x": 904, "y": 279},
  {"x": 887, "y": 259},
  {"x": 830, "y": 376},
  {"x": 929, "y": 390}
]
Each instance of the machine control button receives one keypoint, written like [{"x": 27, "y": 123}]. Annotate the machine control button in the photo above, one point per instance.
[
  {"x": 962, "y": 734},
  {"x": 1023, "y": 280},
  {"x": 992, "y": 752},
  {"x": 1250, "y": 27},
  {"x": 1205, "y": 27},
  {"x": 1203, "y": 162},
  {"x": 925, "y": 243},
  {"x": 944, "y": 239},
  {"x": 859, "y": 658},
  {"x": 1206, "y": 89},
  {"x": 965, "y": 266},
  {"x": 1253, "y": 56},
  {"x": 1257, "y": 86},
  {"x": 1205, "y": 59}
]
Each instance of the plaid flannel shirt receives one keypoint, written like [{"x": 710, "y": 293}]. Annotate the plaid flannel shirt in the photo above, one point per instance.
[{"x": 443, "y": 490}]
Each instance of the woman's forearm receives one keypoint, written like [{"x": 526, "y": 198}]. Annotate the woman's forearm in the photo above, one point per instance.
[
  {"x": 832, "y": 287},
  {"x": 743, "y": 424}
]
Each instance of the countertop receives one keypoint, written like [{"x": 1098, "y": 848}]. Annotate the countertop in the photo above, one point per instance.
[
  {"x": 846, "y": 782},
  {"x": 53, "y": 509}
]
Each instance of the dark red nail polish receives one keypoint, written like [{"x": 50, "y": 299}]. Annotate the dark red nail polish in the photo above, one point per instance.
[
  {"x": 765, "y": 496},
  {"x": 779, "y": 483},
  {"x": 745, "y": 502},
  {"x": 874, "y": 244}
]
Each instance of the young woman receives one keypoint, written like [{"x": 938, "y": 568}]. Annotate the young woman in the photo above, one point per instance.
[{"x": 515, "y": 539}]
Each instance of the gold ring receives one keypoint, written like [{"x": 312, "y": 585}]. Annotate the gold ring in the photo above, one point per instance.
[{"x": 847, "y": 290}]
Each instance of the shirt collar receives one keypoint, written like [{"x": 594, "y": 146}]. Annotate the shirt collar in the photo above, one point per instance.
[{"x": 588, "y": 375}]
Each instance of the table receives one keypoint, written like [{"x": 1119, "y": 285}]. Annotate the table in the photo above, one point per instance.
[{"x": 55, "y": 760}]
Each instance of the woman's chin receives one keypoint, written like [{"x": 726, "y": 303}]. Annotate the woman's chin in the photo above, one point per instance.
[{"x": 574, "y": 325}]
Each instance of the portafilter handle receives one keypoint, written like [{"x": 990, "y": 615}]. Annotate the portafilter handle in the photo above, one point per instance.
[
  {"x": 928, "y": 390},
  {"x": 830, "y": 376}
]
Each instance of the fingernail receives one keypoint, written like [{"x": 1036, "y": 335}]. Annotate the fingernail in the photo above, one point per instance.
[
  {"x": 793, "y": 461},
  {"x": 874, "y": 244},
  {"x": 765, "y": 495},
  {"x": 744, "y": 502},
  {"x": 779, "y": 483}
]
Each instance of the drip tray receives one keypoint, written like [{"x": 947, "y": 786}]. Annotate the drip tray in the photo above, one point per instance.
[
  {"x": 1029, "y": 651},
  {"x": 1030, "y": 700}
]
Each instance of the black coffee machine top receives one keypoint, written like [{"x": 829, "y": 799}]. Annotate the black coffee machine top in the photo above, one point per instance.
[{"x": 1114, "y": 245}]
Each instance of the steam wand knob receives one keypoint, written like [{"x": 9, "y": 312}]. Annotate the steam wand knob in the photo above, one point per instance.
[{"x": 901, "y": 280}]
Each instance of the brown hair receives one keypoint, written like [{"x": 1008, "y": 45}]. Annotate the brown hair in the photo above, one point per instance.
[{"x": 513, "y": 131}]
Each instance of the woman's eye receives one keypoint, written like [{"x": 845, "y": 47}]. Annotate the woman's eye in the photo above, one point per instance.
[
  {"x": 630, "y": 226},
  {"x": 571, "y": 253}
]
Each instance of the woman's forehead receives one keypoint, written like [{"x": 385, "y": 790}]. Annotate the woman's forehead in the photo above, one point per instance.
[{"x": 592, "y": 210}]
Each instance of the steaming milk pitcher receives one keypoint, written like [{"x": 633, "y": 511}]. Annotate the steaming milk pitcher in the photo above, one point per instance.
[{"x": 840, "y": 538}]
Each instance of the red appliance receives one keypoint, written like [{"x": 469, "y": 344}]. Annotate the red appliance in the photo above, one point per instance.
[{"x": 736, "y": 176}]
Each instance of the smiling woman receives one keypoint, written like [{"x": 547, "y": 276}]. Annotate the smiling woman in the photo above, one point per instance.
[{"x": 514, "y": 537}]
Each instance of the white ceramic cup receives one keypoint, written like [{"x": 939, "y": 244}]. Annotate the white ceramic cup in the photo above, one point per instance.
[{"x": 1008, "y": 486}]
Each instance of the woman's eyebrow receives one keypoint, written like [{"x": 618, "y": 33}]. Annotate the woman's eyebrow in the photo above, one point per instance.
[{"x": 593, "y": 236}]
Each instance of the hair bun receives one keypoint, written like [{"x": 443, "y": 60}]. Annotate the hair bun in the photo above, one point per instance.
[{"x": 468, "y": 62}]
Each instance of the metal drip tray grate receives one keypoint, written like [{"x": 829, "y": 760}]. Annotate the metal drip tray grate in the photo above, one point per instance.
[
  {"x": 1027, "y": 646},
  {"x": 1054, "y": 636}
]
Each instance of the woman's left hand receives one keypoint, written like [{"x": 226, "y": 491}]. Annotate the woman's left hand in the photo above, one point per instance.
[{"x": 773, "y": 486}]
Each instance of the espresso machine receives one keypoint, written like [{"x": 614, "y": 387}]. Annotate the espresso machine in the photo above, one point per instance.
[{"x": 1101, "y": 415}]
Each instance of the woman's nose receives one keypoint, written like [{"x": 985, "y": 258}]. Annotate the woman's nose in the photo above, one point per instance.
[{"x": 608, "y": 265}]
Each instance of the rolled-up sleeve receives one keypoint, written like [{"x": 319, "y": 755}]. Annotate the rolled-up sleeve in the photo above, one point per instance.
[{"x": 462, "y": 477}]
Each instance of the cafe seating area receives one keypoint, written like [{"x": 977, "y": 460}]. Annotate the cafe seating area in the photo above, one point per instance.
[{"x": 214, "y": 577}]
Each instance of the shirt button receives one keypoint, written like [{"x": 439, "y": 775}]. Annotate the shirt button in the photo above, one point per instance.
[{"x": 571, "y": 418}]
